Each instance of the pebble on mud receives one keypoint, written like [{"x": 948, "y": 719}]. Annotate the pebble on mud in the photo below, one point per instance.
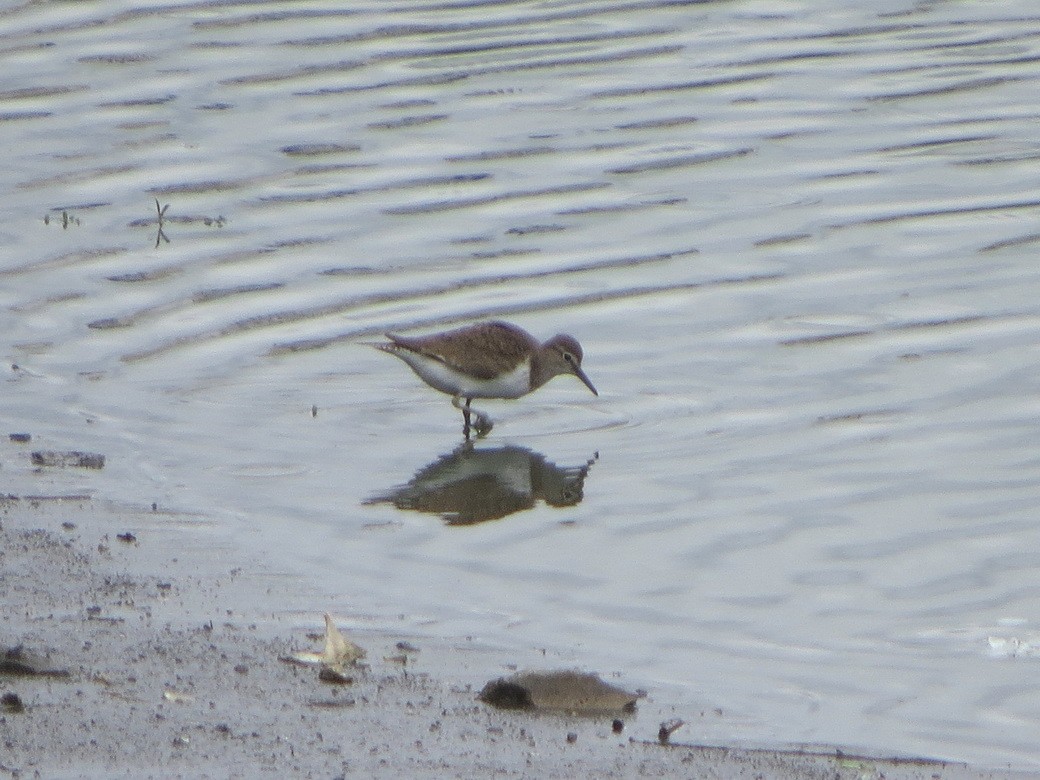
[
  {"x": 331, "y": 674},
  {"x": 12, "y": 702},
  {"x": 72, "y": 459}
]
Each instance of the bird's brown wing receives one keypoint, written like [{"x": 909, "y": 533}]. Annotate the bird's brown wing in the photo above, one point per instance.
[{"x": 484, "y": 351}]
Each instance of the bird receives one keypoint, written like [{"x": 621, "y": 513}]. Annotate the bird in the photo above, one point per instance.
[{"x": 486, "y": 360}]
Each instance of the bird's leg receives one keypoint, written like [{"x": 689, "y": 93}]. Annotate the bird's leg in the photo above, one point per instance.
[
  {"x": 482, "y": 425},
  {"x": 456, "y": 402}
]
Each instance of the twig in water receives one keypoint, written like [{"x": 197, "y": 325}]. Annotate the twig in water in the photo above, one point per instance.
[{"x": 161, "y": 211}]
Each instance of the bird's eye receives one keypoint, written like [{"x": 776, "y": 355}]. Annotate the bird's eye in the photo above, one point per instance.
[{"x": 568, "y": 357}]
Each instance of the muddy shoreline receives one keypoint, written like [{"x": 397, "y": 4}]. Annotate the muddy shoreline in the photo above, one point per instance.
[{"x": 137, "y": 646}]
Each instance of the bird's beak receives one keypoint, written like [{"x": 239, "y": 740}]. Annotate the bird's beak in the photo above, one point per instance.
[{"x": 581, "y": 375}]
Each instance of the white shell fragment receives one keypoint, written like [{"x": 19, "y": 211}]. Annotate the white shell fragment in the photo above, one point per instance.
[{"x": 337, "y": 653}]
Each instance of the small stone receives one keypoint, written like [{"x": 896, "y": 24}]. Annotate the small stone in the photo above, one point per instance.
[
  {"x": 12, "y": 702},
  {"x": 335, "y": 676}
]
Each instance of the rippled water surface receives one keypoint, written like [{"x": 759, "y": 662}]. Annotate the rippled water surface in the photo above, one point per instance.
[{"x": 797, "y": 244}]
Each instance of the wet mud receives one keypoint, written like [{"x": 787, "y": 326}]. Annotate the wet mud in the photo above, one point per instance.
[{"x": 125, "y": 658}]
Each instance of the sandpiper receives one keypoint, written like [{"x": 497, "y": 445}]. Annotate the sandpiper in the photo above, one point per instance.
[{"x": 486, "y": 360}]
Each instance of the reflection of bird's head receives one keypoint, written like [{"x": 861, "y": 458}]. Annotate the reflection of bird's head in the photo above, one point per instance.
[{"x": 561, "y": 486}]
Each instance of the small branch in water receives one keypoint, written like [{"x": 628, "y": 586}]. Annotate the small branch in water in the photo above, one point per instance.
[
  {"x": 162, "y": 218},
  {"x": 161, "y": 211}
]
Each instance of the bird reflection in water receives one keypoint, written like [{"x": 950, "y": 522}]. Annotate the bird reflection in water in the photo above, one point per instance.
[{"x": 471, "y": 485}]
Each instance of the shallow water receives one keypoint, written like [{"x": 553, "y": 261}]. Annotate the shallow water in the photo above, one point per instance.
[{"x": 796, "y": 245}]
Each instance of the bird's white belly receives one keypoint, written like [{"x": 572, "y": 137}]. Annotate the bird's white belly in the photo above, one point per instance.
[{"x": 436, "y": 374}]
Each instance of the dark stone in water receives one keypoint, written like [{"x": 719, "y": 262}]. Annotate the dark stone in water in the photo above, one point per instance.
[{"x": 567, "y": 691}]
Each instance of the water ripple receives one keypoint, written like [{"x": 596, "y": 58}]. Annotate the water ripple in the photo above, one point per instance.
[{"x": 795, "y": 242}]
